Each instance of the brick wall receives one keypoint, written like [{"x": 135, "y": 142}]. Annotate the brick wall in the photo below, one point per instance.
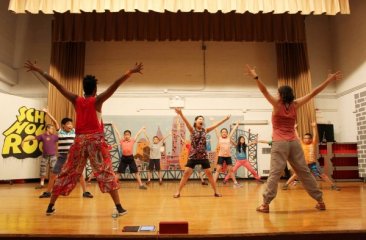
[{"x": 360, "y": 102}]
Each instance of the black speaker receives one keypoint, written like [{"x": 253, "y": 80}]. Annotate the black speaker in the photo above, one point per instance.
[{"x": 326, "y": 133}]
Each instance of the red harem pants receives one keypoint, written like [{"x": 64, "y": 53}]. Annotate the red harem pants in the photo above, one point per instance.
[{"x": 94, "y": 148}]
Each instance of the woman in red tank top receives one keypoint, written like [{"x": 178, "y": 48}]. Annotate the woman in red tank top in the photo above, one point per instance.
[
  {"x": 285, "y": 145},
  {"x": 89, "y": 141}
]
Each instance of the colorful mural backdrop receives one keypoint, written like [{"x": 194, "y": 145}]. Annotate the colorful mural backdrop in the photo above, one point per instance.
[{"x": 174, "y": 155}]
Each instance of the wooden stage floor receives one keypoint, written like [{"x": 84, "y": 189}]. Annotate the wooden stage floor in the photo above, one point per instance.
[{"x": 22, "y": 213}]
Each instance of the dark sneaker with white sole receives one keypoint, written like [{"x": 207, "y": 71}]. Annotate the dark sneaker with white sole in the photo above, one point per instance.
[
  {"x": 45, "y": 195},
  {"x": 87, "y": 195},
  {"x": 50, "y": 211},
  {"x": 122, "y": 212}
]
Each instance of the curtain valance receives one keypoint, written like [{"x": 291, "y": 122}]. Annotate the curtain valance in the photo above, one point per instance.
[{"x": 305, "y": 7}]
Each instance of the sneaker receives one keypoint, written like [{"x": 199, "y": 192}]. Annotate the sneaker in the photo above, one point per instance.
[
  {"x": 148, "y": 182},
  {"x": 87, "y": 195},
  {"x": 237, "y": 185},
  {"x": 122, "y": 211},
  {"x": 39, "y": 187},
  {"x": 160, "y": 182},
  {"x": 50, "y": 211},
  {"x": 204, "y": 183},
  {"x": 285, "y": 187},
  {"x": 335, "y": 188},
  {"x": 45, "y": 195},
  {"x": 143, "y": 187},
  {"x": 224, "y": 181}
]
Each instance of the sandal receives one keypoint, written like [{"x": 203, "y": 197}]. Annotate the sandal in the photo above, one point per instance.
[
  {"x": 176, "y": 195},
  {"x": 264, "y": 208},
  {"x": 217, "y": 195},
  {"x": 320, "y": 206}
]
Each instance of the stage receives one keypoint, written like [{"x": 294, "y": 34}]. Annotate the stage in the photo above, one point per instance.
[{"x": 292, "y": 214}]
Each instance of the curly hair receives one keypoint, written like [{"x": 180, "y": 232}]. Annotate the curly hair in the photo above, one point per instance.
[{"x": 89, "y": 84}]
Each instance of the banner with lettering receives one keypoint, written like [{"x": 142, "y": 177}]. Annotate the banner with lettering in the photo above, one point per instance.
[{"x": 29, "y": 121}]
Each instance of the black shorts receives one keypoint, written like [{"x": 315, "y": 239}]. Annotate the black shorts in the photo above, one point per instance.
[
  {"x": 203, "y": 162},
  {"x": 154, "y": 164},
  {"x": 221, "y": 160},
  {"x": 127, "y": 161}
]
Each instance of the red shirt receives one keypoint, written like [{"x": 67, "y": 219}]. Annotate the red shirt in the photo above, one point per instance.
[
  {"x": 283, "y": 123},
  {"x": 86, "y": 116}
]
